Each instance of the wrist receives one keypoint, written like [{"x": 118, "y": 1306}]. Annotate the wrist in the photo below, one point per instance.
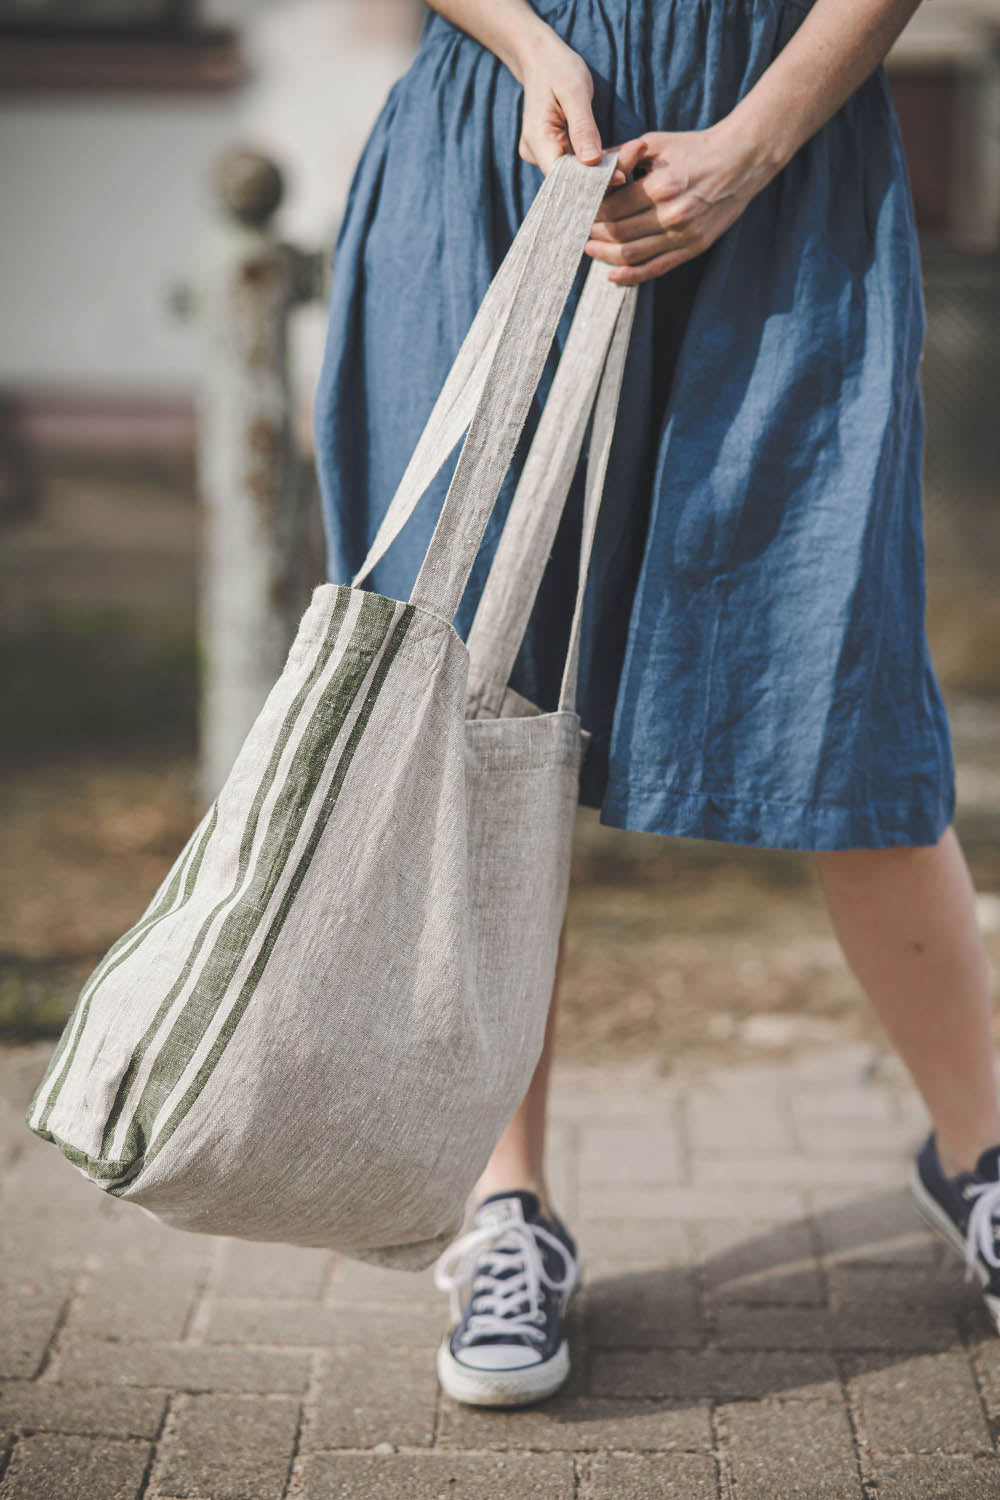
[
  {"x": 530, "y": 45},
  {"x": 758, "y": 145}
]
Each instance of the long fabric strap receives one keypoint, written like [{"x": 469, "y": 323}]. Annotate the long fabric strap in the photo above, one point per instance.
[
  {"x": 588, "y": 379},
  {"x": 503, "y": 372},
  {"x": 455, "y": 406}
]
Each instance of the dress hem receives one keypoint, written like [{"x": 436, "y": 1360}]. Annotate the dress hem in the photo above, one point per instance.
[{"x": 804, "y": 826}]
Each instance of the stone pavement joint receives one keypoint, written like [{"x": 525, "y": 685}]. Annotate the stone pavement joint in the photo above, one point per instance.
[{"x": 763, "y": 1317}]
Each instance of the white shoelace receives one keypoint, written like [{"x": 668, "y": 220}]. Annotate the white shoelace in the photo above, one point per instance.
[
  {"x": 480, "y": 1255},
  {"x": 981, "y": 1230}
]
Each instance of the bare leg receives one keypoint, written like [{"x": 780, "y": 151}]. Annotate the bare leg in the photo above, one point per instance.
[
  {"x": 518, "y": 1159},
  {"x": 906, "y": 921}
]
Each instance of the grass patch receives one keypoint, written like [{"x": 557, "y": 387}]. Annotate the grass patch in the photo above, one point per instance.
[
  {"x": 37, "y": 996},
  {"x": 89, "y": 676}
]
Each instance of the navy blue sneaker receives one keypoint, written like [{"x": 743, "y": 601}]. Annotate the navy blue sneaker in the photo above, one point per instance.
[
  {"x": 965, "y": 1210},
  {"x": 510, "y": 1280}
]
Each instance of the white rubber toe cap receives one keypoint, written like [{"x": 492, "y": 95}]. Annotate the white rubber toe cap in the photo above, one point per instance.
[
  {"x": 497, "y": 1357},
  {"x": 501, "y": 1387}
]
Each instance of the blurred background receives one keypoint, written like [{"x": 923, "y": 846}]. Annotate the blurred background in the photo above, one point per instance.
[{"x": 173, "y": 173}]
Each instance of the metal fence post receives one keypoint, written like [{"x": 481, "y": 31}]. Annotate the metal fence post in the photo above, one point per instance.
[{"x": 256, "y": 490}]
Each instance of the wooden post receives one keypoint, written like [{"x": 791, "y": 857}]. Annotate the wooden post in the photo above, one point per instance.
[{"x": 255, "y": 488}]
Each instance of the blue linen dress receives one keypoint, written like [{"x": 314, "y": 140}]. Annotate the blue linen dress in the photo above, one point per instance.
[{"x": 754, "y": 664}]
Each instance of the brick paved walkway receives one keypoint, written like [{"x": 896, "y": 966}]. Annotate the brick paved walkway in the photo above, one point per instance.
[{"x": 763, "y": 1317}]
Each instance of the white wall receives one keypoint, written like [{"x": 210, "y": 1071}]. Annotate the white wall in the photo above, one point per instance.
[{"x": 106, "y": 202}]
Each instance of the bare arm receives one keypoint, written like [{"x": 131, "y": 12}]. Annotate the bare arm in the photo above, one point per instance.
[
  {"x": 700, "y": 181},
  {"x": 697, "y": 182},
  {"x": 509, "y": 28},
  {"x": 558, "y": 89},
  {"x": 838, "y": 44}
]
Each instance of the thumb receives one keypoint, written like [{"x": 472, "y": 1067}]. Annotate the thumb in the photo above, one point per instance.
[{"x": 583, "y": 133}]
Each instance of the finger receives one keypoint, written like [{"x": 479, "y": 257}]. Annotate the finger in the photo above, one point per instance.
[
  {"x": 635, "y": 275},
  {"x": 584, "y": 136},
  {"x": 635, "y": 198},
  {"x": 634, "y": 227},
  {"x": 635, "y": 253}
]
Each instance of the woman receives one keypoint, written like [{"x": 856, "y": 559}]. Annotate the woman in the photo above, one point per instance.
[{"x": 754, "y": 664}]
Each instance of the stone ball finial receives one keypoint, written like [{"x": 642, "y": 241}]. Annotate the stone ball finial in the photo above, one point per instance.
[{"x": 249, "y": 184}]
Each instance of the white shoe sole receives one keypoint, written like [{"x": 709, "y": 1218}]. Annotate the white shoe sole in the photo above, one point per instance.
[
  {"x": 501, "y": 1387},
  {"x": 505, "y": 1387},
  {"x": 933, "y": 1214}
]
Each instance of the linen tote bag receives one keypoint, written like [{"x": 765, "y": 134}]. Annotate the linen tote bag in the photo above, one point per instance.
[{"x": 335, "y": 1001}]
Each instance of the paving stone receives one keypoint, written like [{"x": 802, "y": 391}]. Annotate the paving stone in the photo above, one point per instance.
[
  {"x": 32, "y": 1308},
  {"x": 679, "y": 1476},
  {"x": 937, "y": 1479},
  {"x": 43, "y": 1185},
  {"x": 579, "y": 1424},
  {"x": 890, "y": 1327},
  {"x": 363, "y": 1401},
  {"x": 352, "y": 1281},
  {"x": 126, "y": 1229},
  {"x": 73, "y": 1227},
  {"x": 986, "y": 1358},
  {"x": 779, "y": 1450},
  {"x": 732, "y": 1119},
  {"x": 429, "y": 1476},
  {"x": 153, "y": 1300},
  {"x": 881, "y": 1227},
  {"x": 940, "y": 1286},
  {"x": 23, "y": 1067},
  {"x": 47, "y": 1467},
  {"x": 306, "y": 1324},
  {"x": 30, "y": 1251},
  {"x": 863, "y": 1101},
  {"x": 47, "y": 1406},
  {"x": 263, "y": 1270},
  {"x": 713, "y": 1374},
  {"x": 622, "y": 1092},
  {"x": 630, "y": 1154},
  {"x": 696, "y": 1291},
  {"x": 606, "y": 1243},
  {"x": 229, "y": 1447},
  {"x": 759, "y": 1263},
  {"x": 787, "y": 1169},
  {"x": 924, "y": 1405},
  {"x": 562, "y": 1168},
  {"x": 856, "y": 1138},
  {"x": 660, "y": 1201},
  {"x": 846, "y": 1066},
  {"x": 644, "y": 1309},
  {"x": 184, "y": 1367}
]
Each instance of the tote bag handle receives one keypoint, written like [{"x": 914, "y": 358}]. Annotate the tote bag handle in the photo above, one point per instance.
[
  {"x": 455, "y": 406},
  {"x": 502, "y": 369},
  {"x": 587, "y": 384}
]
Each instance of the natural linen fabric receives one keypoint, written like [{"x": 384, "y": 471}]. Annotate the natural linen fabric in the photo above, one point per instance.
[{"x": 335, "y": 1001}]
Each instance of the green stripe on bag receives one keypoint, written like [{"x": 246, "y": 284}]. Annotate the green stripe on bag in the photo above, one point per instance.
[
  {"x": 241, "y": 924},
  {"x": 243, "y": 861},
  {"x": 117, "y": 954},
  {"x": 247, "y": 992}
]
